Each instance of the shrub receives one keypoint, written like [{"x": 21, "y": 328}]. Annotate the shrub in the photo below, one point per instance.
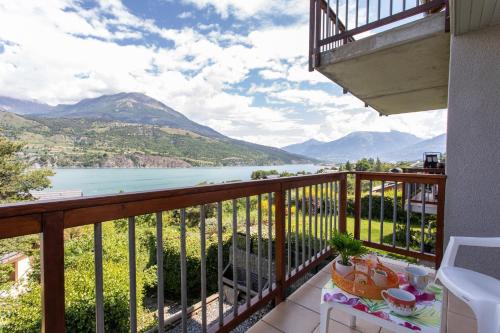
[
  {"x": 171, "y": 262},
  {"x": 22, "y": 312},
  {"x": 388, "y": 209}
]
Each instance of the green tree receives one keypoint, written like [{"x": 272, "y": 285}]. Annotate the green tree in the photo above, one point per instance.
[
  {"x": 348, "y": 166},
  {"x": 16, "y": 182},
  {"x": 363, "y": 165},
  {"x": 378, "y": 166},
  {"x": 262, "y": 174},
  {"x": 16, "y": 177}
]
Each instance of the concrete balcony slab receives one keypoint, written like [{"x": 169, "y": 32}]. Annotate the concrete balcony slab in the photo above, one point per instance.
[{"x": 404, "y": 69}]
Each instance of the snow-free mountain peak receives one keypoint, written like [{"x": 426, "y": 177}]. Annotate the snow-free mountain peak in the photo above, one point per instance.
[{"x": 390, "y": 146}]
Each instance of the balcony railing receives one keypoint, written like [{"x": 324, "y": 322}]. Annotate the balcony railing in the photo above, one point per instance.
[
  {"x": 333, "y": 23},
  {"x": 302, "y": 214},
  {"x": 415, "y": 220}
]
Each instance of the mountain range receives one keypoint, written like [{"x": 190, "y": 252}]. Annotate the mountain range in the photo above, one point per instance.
[
  {"x": 125, "y": 130},
  {"x": 388, "y": 146}
]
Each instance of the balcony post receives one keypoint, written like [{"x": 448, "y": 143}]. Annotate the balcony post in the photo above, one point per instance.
[
  {"x": 280, "y": 236},
  {"x": 52, "y": 271},
  {"x": 311, "y": 34},
  {"x": 317, "y": 47},
  {"x": 343, "y": 204},
  {"x": 440, "y": 221}
]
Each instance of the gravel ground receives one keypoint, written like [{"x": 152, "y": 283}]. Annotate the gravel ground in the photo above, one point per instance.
[{"x": 194, "y": 323}]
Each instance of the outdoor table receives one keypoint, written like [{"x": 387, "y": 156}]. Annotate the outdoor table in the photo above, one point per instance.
[{"x": 426, "y": 318}]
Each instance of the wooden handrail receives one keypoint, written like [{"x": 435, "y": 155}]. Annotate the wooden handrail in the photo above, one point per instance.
[
  {"x": 432, "y": 171},
  {"x": 400, "y": 177},
  {"x": 24, "y": 218}
]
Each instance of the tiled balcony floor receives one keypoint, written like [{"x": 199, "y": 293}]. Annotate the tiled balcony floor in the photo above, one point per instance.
[{"x": 301, "y": 313}]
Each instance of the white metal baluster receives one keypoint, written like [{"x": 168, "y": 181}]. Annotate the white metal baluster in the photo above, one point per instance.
[
  {"x": 99, "y": 294},
  {"x": 183, "y": 272},
  {"x": 203, "y": 269},
  {"x": 132, "y": 275},
  {"x": 220, "y": 264}
]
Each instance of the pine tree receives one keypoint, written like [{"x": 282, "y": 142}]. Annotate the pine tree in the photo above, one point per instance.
[
  {"x": 348, "y": 166},
  {"x": 378, "y": 166},
  {"x": 16, "y": 177}
]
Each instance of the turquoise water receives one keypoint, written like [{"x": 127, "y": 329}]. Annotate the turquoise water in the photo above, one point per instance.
[{"x": 108, "y": 181}]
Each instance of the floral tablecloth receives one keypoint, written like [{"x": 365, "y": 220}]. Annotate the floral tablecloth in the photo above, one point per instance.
[{"x": 426, "y": 318}]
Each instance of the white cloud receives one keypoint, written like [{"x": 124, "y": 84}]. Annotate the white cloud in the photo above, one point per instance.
[
  {"x": 243, "y": 9},
  {"x": 185, "y": 15},
  {"x": 58, "y": 52},
  {"x": 423, "y": 124}
]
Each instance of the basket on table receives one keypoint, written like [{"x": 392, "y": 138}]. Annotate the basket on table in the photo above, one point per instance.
[{"x": 364, "y": 287}]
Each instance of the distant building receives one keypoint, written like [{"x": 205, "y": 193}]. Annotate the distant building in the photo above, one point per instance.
[
  {"x": 20, "y": 263},
  {"x": 53, "y": 195}
]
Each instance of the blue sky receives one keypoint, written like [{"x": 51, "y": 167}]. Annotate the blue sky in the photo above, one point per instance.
[{"x": 237, "y": 66}]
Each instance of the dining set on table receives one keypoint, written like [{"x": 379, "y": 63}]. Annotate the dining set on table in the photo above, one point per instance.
[
  {"x": 400, "y": 299},
  {"x": 406, "y": 298}
]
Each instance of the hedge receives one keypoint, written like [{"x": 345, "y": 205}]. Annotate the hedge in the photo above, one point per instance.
[
  {"x": 171, "y": 262},
  {"x": 388, "y": 209}
]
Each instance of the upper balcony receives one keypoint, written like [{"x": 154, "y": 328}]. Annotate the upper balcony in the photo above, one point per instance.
[{"x": 393, "y": 55}]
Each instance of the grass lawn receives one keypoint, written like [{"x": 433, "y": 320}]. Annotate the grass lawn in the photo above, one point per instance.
[{"x": 375, "y": 231}]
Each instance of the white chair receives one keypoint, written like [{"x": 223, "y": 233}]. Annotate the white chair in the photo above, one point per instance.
[{"x": 479, "y": 291}]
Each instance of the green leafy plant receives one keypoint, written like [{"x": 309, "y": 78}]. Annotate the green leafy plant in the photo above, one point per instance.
[{"x": 347, "y": 246}]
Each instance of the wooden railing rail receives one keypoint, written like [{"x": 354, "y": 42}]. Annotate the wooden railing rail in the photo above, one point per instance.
[
  {"x": 26, "y": 216},
  {"x": 431, "y": 171}
]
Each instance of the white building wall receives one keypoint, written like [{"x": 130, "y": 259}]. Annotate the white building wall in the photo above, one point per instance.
[
  {"x": 473, "y": 145},
  {"x": 23, "y": 267}
]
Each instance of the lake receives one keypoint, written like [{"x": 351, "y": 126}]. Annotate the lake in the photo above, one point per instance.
[{"x": 109, "y": 181}]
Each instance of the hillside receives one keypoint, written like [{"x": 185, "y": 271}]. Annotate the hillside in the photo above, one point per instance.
[
  {"x": 129, "y": 130},
  {"x": 303, "y": 148},
  {"x": 389, "y": 146},
  {"x": 23, "y": 107},
  {"x": 415, "y": 151},
  {"x": 129, "y": 108}
]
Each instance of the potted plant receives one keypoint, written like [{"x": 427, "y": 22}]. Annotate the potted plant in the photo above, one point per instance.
[{"x": 347, "y": 247}]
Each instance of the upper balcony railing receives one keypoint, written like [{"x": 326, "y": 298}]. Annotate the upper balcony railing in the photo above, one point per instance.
[
  {"x": 286, "y": 224},
  {"x": 333, "y": 23}
]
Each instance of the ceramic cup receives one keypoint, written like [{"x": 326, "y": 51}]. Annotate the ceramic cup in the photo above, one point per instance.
[
  {"x": 400, "y": 301},
  {"x": 417, "y": 277},
  {"x": 379, "y": 277}
]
